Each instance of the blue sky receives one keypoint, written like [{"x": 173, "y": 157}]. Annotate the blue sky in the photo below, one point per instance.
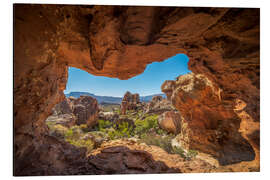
[{"x": 147, "y": 83}]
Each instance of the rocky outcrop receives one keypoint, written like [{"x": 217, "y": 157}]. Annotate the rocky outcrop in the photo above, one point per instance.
[
  {"x": 167, "y": 87},
  {"x": 75, "y": 111},
  {"x": 170, "y": 121},
  {"x": 86, "y": 110},
  {"x": 56, "y": 158},
  {"x": 119, "y": 41},
  {"x": 209, "y": 122},
  {"x": 158, "y": 105},
  {"x": 130, "y": 102},
  {"x": 122, "y": 160},
  {"x": 63, "y": 107},
  {"x": 62, "y": 113}
]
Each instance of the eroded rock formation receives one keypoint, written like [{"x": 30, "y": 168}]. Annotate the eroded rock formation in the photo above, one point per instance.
[
  {"x": 76, "y": 111},
  {"x": 86, "y": 109},
  {"x": 209, "y": 123},
  {"x": 122, "y": 160},
  {"x": 170, "y": 121},
  {"x": 130, "y": 102},
  {"x": 158, "y": 105},
  {"x": 64, "y": 107},
  {"x": 119, "y": 41}
]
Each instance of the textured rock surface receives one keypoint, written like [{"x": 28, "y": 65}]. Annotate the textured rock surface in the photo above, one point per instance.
[
  {"x": 86, "y": 110},
  {"x": 209, "y": 123},
  {"x": 170, "y": 121},
  {"x": 167, "y": 87},
  {"x": 130, "y": 102},
  {"x": 158, "y": 105},
  {"x": 71, "y": 111},
  {"x": 115, "y": 41},
  {"x": 122, "y": 160},
  {"x": 199, "y": 164},
  {"x": 64, "y": 107}
]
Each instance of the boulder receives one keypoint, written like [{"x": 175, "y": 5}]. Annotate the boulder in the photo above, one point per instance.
[
  {"x": 122, "y": 160},
  {"x": 158, "y": 105},
  {"x": 63, "y": 107},
  {"x": 170, "y": 121},
  {"x": 86, "y": 110},
  {"x": 130, "y": 102}
]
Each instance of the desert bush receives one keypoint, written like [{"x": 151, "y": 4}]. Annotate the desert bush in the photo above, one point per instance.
[
  {"x": 89, "y": 144},
  {"x": 69, "y": 133},
  {"x": 191, "y": 154},
  {"x": 84, "y": 128},
  {"x": 102, "y": 124},
  {"x": 150, "y": 122},
  {"x": 156, "y": 140},
  {"x": 123, "y": 130},
  {"x": 164, "y": 142},
  {"x": 179, "y": 151},
  {"x": 57, "y": 130}
]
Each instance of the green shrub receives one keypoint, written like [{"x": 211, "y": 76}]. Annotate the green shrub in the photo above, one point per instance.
[
  {"x": 143, "y": 126},
  {"x": 121, "y": 131},
  {"x": 102, "y": 124},
  {"x": 89, "y": 144},
  {"x": 156, "y": 140},
  {"x": 191, "y": 154},
  {"x": 84, "y": 128},
  {"x": 179, "y": 151},
  {"x": 69, "y": 133}
]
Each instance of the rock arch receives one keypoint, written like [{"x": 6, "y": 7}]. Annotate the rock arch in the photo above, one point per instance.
[{"x": 119, "y": 41}]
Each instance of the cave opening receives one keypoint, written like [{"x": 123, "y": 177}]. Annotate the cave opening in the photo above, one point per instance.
[
  {"x": 146, "y": 83},
  {"x": 98, "y": 108},
  {"x": 206, "y": 100}
]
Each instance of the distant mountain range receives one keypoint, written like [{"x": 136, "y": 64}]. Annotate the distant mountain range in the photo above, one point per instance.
[{"x": 110, "y": 99}]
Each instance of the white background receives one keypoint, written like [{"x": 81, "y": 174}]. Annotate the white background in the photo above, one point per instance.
[{"x": 6, "y": 88}]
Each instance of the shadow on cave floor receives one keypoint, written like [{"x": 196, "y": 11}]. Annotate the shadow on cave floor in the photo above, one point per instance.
[{"x": 122, "y": 160}]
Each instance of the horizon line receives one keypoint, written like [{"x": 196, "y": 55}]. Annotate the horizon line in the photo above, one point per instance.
[{"x": 114, "y": 96}]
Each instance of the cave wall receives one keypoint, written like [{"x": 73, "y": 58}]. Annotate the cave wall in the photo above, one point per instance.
[{"x": 119, "y": 41}]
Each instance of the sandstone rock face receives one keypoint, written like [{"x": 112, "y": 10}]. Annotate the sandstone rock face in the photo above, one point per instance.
[
  {"x": 119, "y": 41},
  {"x": 209, "y": 123},
  {"x": 122, "y": 160},
  {"x": 158, "y": 105},
  {"x": 63, "y": 107},
  {"x": 170, "y": 121},
  {"x": 86, "y": 110},
  {"x": 167, "y": 87},
  {"x": 75, "y": 111},
  {"x": 130, "y": 102}
]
